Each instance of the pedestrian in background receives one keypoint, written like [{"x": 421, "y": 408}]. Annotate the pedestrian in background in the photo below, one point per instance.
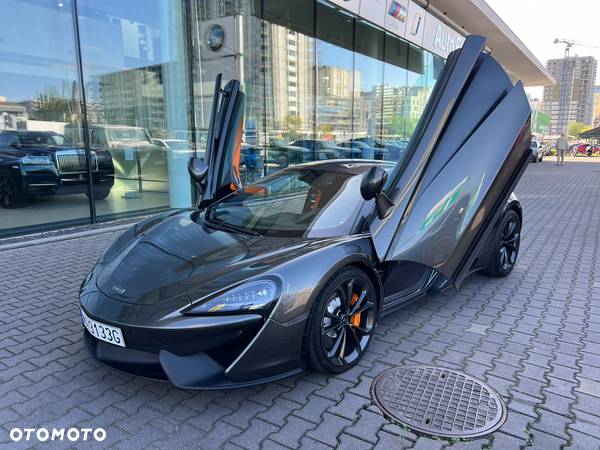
[{"x": 562, "y": 144}]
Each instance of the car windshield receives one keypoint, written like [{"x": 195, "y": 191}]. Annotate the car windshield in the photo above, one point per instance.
[
  {"x": 327, "y": 144},
  {"x": 43, "y": 139},
  {"x": 293, "y": 203},
  {"x": 128, "y": 134},
  {"x": 179, "y": 145}
]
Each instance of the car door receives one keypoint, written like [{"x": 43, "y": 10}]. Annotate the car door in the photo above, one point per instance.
[
  {"x": 223, "y": 149},
  {"x": 466, "y": 155}
]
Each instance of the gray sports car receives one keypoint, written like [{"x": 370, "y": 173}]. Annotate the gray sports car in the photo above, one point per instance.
[{"x": 293, "y": 272}]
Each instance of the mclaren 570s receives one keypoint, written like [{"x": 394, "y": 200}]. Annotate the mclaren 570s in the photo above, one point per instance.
[{"x": 293, "y": 271}]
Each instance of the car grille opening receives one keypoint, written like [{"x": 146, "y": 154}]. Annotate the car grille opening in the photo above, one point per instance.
[
  {"x": 227, "y": 353},
  {"x": 74, "y": 162}
]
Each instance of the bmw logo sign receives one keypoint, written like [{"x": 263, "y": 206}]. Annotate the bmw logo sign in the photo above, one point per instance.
[{"x": 215, "y": 37}]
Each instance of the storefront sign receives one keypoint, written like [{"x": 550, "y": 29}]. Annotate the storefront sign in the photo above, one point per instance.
[
  {"x": 408, "y": 20},
  {"x": 350, "y": 5},
  {"x": 439, "y": 38},
  {"x": 415, "y": 25},
  {"x": 374, "y": 11},
  {"x": 396, "y": 16}
]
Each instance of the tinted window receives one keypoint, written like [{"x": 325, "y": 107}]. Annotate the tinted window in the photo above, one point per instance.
[
  {"x": 7, "y": 138},
  {"x": 42, "y": 139},
  {"x": 292, "y": 203}
]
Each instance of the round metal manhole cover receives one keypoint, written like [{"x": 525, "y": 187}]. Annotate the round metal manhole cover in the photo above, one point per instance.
[{"x": 439, "y": 401}]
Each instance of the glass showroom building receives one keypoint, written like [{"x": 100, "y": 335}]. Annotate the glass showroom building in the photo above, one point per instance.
[{"x": 104, "y": 102}]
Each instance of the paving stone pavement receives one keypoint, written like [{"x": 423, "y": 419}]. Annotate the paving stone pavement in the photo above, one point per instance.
[{"x": 534, "y": 337}]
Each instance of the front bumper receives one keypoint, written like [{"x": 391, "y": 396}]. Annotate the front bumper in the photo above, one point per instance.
[
  {"x": 192, "y": 352},
  {"x": 38, "y": 180}
]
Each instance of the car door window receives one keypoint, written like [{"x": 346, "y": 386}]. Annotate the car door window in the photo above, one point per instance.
[
  {"x": 448, "y": 191},
  {"x": 94, "y": 138},
  {"x": 293, "y": 204},
  {"x": 9, "y": 141}
]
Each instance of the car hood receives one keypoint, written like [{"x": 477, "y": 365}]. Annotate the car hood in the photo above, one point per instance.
[
  {"x": 140, "y": 145},
  {"x": 46, "y": 150},
  {"x": 179, "y": 253}
]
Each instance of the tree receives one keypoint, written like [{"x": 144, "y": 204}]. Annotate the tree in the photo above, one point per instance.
[
  {"x": 400, "y": 126},
  {"x": 50, "y": 106},
  {"x": 576, "y": 128},
  {"x": 291, "y": 127}
]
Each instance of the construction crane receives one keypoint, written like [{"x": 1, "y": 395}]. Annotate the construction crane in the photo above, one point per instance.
[{"x": 566, "y": 89}]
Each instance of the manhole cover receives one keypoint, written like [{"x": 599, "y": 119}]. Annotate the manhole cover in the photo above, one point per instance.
[{"x": 438, "y": 401}]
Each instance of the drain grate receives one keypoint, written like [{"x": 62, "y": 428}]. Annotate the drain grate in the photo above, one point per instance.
[{"x": 438, "y": 401}]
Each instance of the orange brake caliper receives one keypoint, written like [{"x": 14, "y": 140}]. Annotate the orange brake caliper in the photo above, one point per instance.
[{"x": 355, "y": 319}]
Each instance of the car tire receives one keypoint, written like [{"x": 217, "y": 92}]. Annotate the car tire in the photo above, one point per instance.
[
  {"x": 339, "y": 330},
  {"x": 100, "y": 193},
  {"x": 11, "y": 196},
  {"x": 502, "y": 250}
]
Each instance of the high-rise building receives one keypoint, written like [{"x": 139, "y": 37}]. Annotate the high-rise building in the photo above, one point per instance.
[
  {"x": 596, "y": 106},
  {"x": 577, "y": 91},
  {"x": 330, "y": 70}
]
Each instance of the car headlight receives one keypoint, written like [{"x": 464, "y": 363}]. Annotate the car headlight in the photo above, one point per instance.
[
  {"x": 35, "y": 160},
  {"x": 251, "y": 296}
]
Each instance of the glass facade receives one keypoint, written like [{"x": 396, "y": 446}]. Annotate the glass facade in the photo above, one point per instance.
[{"x": 104, "y": 102}]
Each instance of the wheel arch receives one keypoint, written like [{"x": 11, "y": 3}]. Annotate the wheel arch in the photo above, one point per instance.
[
  {"x": 372, "y": 273},
  {"x": 359, "y": 261},
  {"x": 515, "y": 205},
  {"x": 356, "y": 261}
]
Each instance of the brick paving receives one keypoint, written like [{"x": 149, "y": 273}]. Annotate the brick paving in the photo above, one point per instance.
[{"x": 534, "y": 337}]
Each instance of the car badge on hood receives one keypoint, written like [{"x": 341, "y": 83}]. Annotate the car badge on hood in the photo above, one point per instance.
[{"x": 119, "y": 289}]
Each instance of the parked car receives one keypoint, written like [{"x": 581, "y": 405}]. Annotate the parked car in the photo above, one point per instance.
[
  {"x": 323, "y": 149},
  {"x": 174, "y": 144},
  {"x": 363, "y": 150},
  {"x": 42, "y": 163},
  {"x": 586, "y": 149},
  {"x": 283, "y": 155},
  {"x": 537, "y": 154},
  {"x": 390, "y": 151},
  {"x": 294, "y": 271},
  {"x": 133, "y": 150}
]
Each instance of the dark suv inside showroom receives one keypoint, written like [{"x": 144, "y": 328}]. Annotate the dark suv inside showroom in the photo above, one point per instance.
[{"x": 41, "y": 163}]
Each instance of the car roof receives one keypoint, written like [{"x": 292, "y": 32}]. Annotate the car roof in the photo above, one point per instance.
[
  {"x": 36, "y": 133},
  {"x": 349, "y": 166}
]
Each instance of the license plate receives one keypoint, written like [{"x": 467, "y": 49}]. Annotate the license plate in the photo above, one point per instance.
[{"x": 106, "y": 333}]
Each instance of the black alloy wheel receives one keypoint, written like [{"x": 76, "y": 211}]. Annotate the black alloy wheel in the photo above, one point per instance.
[
  {"x": 342, "y": 321},
  {"x": 9, "y": 196},
  {"x": 100, "y": 193},
  {"x": 506, "y": 249}
]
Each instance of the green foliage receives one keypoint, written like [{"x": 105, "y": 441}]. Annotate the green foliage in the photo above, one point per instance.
[
  {"x": 52, "y": 107},
  {"x": 576, "y": 128},
  {"x": 401, "y": 125},
  {"x": 291, "y": 127}
]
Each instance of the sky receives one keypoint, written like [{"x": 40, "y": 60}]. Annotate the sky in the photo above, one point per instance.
[{"x": 539, "y": 22}]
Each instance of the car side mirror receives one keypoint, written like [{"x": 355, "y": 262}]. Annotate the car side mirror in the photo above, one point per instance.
[
  {"x": 198, "y": 170},
  {"x": 371, "y": 187}
]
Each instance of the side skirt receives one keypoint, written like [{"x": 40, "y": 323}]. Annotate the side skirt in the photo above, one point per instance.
[{"x": 392, "y": 304}]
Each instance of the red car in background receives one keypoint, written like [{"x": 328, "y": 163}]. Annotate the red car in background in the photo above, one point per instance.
[{"x": 586, "y": 149}]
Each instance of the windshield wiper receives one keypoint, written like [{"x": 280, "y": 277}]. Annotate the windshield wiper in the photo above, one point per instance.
[{"x": 228, "y": 226}]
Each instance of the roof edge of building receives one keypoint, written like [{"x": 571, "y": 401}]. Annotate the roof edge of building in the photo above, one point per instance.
[{"x": 477, "y": 17}]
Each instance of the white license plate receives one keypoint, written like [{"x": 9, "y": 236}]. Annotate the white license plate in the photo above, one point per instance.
[{"x": 106, "y": 333}]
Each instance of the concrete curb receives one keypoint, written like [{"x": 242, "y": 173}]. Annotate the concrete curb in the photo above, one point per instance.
[{"x": 64, "y": 237}]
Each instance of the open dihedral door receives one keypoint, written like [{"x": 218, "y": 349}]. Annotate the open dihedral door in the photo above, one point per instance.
[
  {"x": 468, "y": 151},
  {"x": 223, "y": 150}
]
